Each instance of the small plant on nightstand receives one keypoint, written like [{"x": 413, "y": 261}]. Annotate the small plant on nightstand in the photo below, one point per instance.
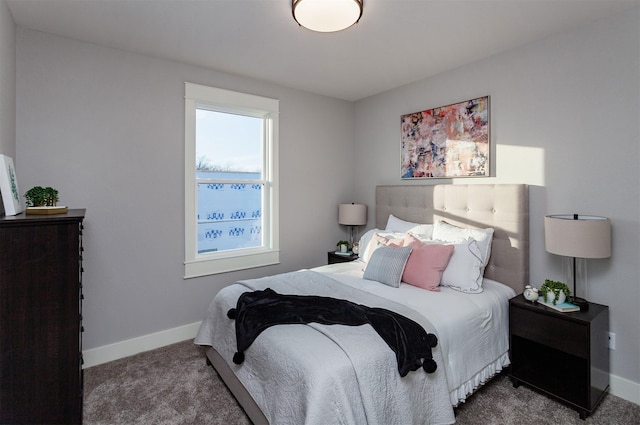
[
  {"x": 340, "y": 244},
  {"x": 559, "y": 290}
]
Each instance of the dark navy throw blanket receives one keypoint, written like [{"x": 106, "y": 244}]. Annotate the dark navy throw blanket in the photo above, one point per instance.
[{"x": 259, "y": 310}]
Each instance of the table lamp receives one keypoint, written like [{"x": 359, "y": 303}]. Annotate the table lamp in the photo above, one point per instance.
[
  {"x": 352, "y": 215},
  {"x": 578, "y": 236}
]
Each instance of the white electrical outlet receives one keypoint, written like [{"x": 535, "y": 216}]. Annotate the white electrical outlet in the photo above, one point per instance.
[{"x": 612, "y": 341}]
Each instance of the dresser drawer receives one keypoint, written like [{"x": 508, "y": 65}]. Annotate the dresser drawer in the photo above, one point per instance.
[{"x": 564, "y": 335}]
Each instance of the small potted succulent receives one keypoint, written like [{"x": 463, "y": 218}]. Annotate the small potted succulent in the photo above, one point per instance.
[{"x": 554, "y": 292}]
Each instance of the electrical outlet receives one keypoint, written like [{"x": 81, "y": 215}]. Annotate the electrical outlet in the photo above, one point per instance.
[{"x": 612, "y": 341}]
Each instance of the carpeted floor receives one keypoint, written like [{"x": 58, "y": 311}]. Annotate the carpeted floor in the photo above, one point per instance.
[{"x": 173, "y": 385}]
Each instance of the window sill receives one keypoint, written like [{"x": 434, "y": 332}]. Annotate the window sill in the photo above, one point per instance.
[{"x": 209, "y": 266}]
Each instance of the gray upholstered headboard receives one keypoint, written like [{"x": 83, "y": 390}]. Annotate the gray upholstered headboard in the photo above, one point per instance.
[{"x": 504, "y": 207}]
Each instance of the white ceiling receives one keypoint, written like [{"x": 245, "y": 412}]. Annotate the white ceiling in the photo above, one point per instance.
[{"x": 395, "y": 42}]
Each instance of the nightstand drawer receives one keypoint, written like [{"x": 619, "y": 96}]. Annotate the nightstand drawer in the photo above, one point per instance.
[{"x": 563, "y": 335}]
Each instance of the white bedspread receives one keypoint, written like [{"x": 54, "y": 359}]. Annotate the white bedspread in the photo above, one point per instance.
[
  {"x": 286, "y": 367},
  {"x": 472, "y": 328}
]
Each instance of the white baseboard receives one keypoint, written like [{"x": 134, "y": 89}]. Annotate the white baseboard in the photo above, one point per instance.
[
  {"x": 119, "y": 350},
  {"x": 619, "y": 387},
  {"x": 625, "y": 389}
]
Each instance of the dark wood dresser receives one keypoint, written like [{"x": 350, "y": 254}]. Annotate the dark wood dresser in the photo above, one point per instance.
[{"x": 41, "y": 318}]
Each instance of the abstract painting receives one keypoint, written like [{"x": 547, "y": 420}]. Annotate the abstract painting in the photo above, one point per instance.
[{"x": 448, "y": 141}]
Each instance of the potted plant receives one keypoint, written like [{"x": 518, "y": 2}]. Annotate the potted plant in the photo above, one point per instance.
[
  {"x": 38, "y": 196},
  {"x": 554, "y": 292},
  {"x": 343, "y": 246},
  {"x": 43, "y": 200}
]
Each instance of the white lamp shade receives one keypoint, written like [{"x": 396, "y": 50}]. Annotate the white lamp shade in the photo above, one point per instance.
[
  {"x": 586, "y": 236},
  {"x": 352, "y": 214},
  {"x": 327, "y": 15}
]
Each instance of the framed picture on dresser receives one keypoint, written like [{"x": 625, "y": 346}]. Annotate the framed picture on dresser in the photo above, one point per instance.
[
  {"x": 9, "y": 186},
  {"x": 446, "y": 142}
]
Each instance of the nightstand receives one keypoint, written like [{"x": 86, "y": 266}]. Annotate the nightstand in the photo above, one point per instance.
[
  {"x": 333, "y": 258},
  {"x": 565, "y": 355}
]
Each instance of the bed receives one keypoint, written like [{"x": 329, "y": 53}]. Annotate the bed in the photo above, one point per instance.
[{"x": 318, "y": 373}]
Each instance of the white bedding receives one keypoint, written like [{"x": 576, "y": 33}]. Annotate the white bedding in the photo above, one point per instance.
[{"x": 475, "y": 324}]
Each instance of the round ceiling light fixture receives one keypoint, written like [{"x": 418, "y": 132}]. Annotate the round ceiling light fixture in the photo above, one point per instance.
[{"x": 327, "y": 15}]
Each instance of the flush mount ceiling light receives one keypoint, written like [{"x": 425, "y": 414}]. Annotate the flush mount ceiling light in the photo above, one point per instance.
[{"x": 327, "y": 15}]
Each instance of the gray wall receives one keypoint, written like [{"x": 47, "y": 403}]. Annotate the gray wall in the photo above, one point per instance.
[
  {"x": 106, "y": 128},
  {"x": 7, "y": 84},
  {"x": 565, "y": 119}
]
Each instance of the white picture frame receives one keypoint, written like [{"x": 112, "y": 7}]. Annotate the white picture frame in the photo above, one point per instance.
[{"x": 9, "y": 186}]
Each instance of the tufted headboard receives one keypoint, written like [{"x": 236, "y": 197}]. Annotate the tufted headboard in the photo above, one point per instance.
[{"x": 504, "y": 207}]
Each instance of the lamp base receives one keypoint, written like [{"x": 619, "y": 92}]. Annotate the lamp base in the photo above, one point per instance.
[{"x": 580, "y": 302}]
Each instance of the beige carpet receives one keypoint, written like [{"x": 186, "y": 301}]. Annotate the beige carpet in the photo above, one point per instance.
[{"x": 173, "y": 385}]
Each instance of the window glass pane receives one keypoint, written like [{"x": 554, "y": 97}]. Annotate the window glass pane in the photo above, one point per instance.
[
  {"x": 229, "y": 216},
  {"x": 229, "y": 143}
]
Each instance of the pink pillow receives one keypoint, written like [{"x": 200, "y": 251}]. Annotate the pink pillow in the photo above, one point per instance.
[{"x": 425, "y": 264}]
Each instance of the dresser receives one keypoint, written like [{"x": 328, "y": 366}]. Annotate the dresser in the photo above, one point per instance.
[{"x": 41, "y": 318}]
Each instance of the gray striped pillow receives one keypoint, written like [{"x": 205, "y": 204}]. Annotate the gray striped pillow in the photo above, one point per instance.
[{"x": 387, "y": 264}]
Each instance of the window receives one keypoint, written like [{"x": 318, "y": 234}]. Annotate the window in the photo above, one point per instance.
[{"x": 231, "y": 185}]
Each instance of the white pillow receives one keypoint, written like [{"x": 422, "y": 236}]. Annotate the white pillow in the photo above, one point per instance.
[
  {"x": 423, "y": 238},
  {"x": 364, "y": 241},
  {"x": 465, "y": 269},
  {"x": 395, "y": 224},
  {"x": 422, "y": 231},
  {"x": 387, "y": 265},
  {"x": 444, "y": 231}
]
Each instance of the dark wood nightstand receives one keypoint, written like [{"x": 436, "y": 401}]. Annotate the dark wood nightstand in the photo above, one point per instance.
[
  {"x": 339, "y": 258},
  {"x": 565, "y": 355}
]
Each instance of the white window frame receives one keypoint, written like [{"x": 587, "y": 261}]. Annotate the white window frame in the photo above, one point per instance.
[{"x": 219, "y": 100}]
